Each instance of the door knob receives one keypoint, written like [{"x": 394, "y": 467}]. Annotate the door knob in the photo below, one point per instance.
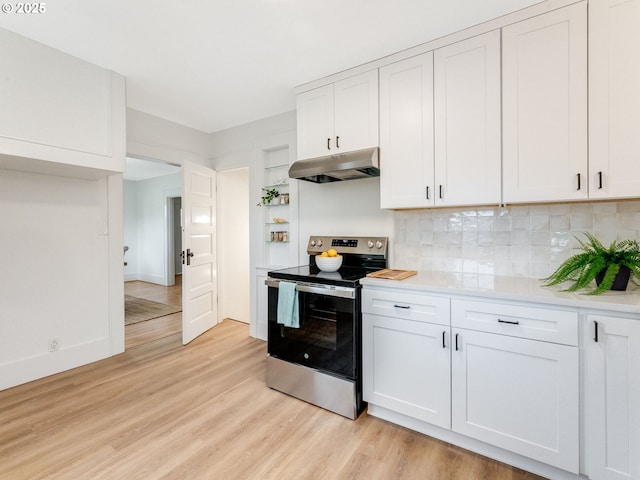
[{"x": 189, "y": 255}]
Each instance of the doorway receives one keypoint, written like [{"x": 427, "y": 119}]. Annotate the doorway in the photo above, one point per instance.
[
  {"x": 233, "y": 238},
  {"x": 153, "y": 239}
]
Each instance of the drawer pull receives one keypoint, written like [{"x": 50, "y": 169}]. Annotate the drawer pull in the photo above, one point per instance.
[
  {"x": 443, "y": 344},
  {"x": 405, "y": 307},
  {"x": 457, "y": 342},
  {"x": 510, "y": 322},
  {"x": 595, "y": 332}
]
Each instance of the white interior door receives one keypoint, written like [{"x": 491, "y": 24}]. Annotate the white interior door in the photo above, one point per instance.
[{"x": 199, "y": 275}]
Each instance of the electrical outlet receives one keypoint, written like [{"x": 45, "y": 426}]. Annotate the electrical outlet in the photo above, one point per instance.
[{"x": 54, "y": 344}]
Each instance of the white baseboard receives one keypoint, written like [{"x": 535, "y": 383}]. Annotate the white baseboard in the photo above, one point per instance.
[{"x": 48, "y": 363}]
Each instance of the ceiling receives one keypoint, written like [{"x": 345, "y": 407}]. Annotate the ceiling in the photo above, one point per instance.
[{"x": 216, "y": 64}]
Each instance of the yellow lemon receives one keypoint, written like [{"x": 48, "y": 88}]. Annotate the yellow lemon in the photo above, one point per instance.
[
  {"x": 332, "y": 252},
  {"x": 324, "y": 254}
]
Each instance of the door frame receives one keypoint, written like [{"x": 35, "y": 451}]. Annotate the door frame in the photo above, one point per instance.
[{"x": 169, "y": 240}]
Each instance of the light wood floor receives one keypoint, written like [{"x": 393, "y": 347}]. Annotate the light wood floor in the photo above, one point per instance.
[
  {"x": 151, "y": 330},
  {"x": 166, "y": 411}
]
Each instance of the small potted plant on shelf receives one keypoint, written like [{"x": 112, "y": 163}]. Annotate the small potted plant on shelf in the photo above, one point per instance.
[
  {"x": 610, "y": 267},
  {"x": 268, "y": 194}
]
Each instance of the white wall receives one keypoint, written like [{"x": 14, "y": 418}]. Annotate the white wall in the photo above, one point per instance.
[
  {"x": 158, "y": 139},
  {"x": 237, "y": 147},
  {"x": 54, "y": 279},
  {"x": 342, "y": 209},
  {"x": 145, "y": 207},
  {"x": 61, "y": 269}
]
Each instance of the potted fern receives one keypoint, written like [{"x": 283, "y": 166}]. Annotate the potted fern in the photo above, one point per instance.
[{"x": 610, "y": 267}]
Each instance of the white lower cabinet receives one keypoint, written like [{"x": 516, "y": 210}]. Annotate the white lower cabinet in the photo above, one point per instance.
[
  {"x": 517, "y": 394},
  {"x": 406, "y": 355},
  {"x": 407, "y": 368},
  {"x": 504, "y": 375},
  {"x": 516, "y": 374},
  {"x": 613, "y": 398}
]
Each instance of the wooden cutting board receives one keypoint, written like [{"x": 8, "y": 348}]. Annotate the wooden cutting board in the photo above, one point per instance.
[{"x": 391, "y": 274}]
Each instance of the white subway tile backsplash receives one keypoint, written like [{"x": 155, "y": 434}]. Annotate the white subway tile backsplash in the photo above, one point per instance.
[{"x": 528, "y": 241}]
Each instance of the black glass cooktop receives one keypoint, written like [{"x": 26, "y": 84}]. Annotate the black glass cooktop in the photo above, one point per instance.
[{"x": 345, "y": 276}]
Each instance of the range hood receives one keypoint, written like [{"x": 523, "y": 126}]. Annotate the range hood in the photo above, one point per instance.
[{"x": 335, "y": 168}]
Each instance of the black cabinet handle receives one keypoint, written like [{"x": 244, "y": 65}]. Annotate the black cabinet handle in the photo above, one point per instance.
[
  {"x": 599, "y": 179},
  {"x": 405, "y": 307},
  {"x": 328, "y": 144},
  {"x": 595, "y": 331},
  {"x": 457, "y": 343},
  {"x": 440, "y": 191},
  {"x": 337, "y": 142},
  {"x": 578, "y": 181},
  {"x": 427, "y": 192},
  {"x": 510, "y": 322},
  {"x": 443, "y": 344}
]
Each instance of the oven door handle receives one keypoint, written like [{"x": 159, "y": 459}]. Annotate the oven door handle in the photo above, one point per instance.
[{"x": 328, "y": 290}]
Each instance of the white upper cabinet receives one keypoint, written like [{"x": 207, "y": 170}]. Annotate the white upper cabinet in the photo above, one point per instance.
[
  {"x": 467, "y": 122},
  {"x": 356, "y": 112},
  {"x": 545, "y": 107},
  {"x": 406, "y": 133},
  {"x": 456, "y": 159},
  {"x": 614, "y": 101},
  {"x": 58, "y": 108},
  {"x": 339, "y": 117},
  {"x": 315, "y": 122}
]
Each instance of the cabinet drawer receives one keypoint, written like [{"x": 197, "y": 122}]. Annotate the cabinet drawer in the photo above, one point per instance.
[
  {"x": 410, "y": 306},
  {"x": 536, "y": 323}
]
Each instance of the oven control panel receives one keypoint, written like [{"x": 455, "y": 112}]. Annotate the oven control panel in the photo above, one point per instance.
[
  {"x": 348, "y": 245},
  {"x": 344, "y": 242}
]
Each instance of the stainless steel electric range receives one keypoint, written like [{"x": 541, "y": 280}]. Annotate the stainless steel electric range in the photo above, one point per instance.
[{"x": 319, "y": 359}]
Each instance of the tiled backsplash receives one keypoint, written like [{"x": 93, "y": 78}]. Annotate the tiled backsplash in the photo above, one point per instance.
[{"x": 527, "y": 241}]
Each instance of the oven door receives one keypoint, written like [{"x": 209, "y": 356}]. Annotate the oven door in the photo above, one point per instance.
[{"x": 329, "y": 335}]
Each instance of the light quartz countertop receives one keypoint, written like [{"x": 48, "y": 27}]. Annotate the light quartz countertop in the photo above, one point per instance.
[{"x": 518, "y": 289}]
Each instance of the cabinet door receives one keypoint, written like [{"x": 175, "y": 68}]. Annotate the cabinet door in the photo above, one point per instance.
[
  {"x": 406, "y": 133},
  {"x": 614, "y": 101},
  {"x": 467, "y": 122},
  {"x": 315, "y": 122},
  {"x": 407, "y": 367},
  {"x": 356, "y": 112},
  {"x": 545, "y": 107},
  {"x": 613, "y": 398},
  {"x": 517, "y": 394}
]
